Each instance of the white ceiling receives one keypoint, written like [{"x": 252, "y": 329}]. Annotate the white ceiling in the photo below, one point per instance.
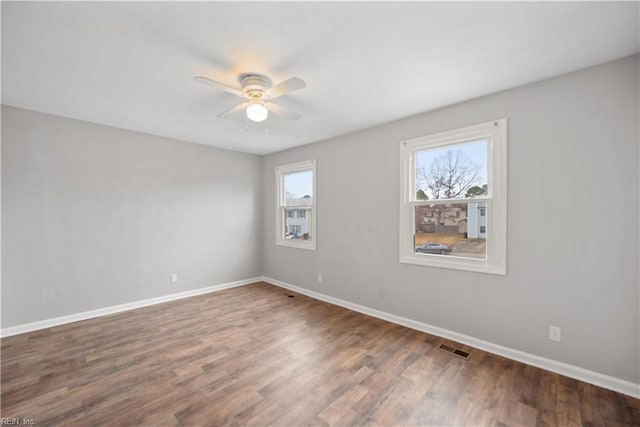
[{"x": 130, "y": 64}]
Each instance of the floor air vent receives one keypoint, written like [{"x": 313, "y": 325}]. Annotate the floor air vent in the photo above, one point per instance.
[
  {"x": 455, "y": 351},
  {"x": 461, "y": 353}
]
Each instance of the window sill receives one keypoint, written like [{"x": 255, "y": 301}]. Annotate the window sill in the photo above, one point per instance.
[
  {"x": 454, "y": 263},
  {"x": 307, "y": 245}
]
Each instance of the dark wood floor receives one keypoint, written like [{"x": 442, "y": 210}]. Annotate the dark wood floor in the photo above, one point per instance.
[{"x": 254, "y": 356}]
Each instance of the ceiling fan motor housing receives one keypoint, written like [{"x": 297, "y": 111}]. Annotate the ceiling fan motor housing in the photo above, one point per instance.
[{"x": 254, "y": 85}]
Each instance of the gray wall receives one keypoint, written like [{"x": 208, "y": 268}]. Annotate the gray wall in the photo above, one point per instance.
[
  {"x": 572, "y": 223},
  {"x": 94, "y": 216}
]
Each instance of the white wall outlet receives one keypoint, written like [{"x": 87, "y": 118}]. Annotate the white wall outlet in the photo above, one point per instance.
[
  {"x": 382, "y": 293},
  {"x": 174, "y": 277},
  {"x": 555, "y": 333},
  {"x": 319, "y": 278}
]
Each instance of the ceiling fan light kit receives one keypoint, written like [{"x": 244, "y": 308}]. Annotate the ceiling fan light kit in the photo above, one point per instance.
[
  {"x": 257, "y": 112},
  {"x": 259, "y": 94}
]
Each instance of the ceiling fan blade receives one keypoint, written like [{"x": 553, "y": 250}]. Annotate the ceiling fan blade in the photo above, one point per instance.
[
  {"x": 209, "y": 82},
  {"x": 279, "y": 109},
  {"x": 234, "y": 109},
  {"x": 285, "y": 87}
]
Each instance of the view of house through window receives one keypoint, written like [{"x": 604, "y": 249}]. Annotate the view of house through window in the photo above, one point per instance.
[
  {"x": 459, "y": 173},
  {"x": 298, "y": 200}
]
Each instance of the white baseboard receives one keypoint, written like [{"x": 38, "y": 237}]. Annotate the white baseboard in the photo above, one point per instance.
[
  {"x": 585, "y": 375},
  {"x": 48, "y": 323}
]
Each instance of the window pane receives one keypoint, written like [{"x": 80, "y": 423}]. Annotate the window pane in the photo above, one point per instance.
[
  {"x": 452, "y": 172},
  {"x": 455, "y": 229},
  {"x": 297, "y": 224},
  {"x": 298, "y": 188}
]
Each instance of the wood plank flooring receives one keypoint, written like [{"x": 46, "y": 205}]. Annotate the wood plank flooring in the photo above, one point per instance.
[{"x": 255, "y": 356}]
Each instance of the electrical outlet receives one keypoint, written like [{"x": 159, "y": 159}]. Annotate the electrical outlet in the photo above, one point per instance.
[
  {"x": 174, "y": 277},
  {"x": 555, "y": 333},
  {"x": 382, "y": 293},
  {"x": 319, "y": 278}
]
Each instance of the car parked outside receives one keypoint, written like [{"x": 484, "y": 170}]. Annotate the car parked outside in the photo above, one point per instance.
[{"x": 433, "y": 248}]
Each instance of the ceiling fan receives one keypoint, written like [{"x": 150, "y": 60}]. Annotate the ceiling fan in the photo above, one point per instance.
[{"x": 259, "y": 93}]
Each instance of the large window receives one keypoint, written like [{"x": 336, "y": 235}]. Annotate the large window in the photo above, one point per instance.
[
  {"x": 453, "y": 199},
  {"x": 296, "y": 205}
]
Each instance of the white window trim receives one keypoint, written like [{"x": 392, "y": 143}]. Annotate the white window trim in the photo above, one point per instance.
[
  {"x": 495, "y": 132},
  {"x": 281, "y": 171}
]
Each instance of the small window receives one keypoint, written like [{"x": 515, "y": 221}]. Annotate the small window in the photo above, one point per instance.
[
  {"x": 458, "y": 178},
  {"x": 296, "y": 205}
]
